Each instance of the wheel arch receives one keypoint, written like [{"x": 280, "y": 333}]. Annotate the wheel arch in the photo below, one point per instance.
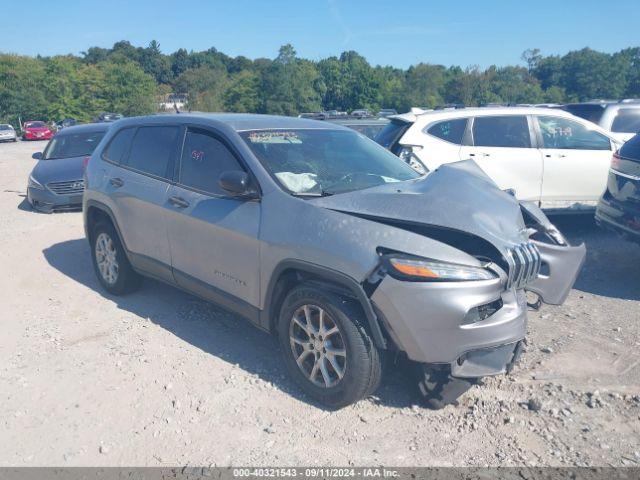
[
  {"x": 289, "y": 273},
  {"x": 96, "y": 211}
]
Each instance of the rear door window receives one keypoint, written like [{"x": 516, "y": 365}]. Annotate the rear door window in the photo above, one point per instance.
[
  {"x": 566, "y": 134},
  {"x": 118, "y": 146},
  {"x": 451, "y": 131},
  {"x": 153, "y": 150},
  {"x": 204, "y": 158},
  {"x": 510, "y": 131},
  {"x": 627, "y": 121}
]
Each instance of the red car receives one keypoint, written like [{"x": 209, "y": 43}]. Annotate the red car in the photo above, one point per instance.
[{"x": 36, "y": 130}]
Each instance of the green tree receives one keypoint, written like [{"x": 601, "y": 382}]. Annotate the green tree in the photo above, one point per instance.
[
  {"x": 290, "y": 85},
  {"x": 127, "y": 89},
  {"x": 243, "y": 93}
]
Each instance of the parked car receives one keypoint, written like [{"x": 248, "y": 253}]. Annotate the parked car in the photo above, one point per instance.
[
  {"x": 361, "y": 112},
  {"x": 323, "y": 238},
  {"x": 36, "y": 130},
  {"x": 387, "y": 112},
  {"x": 55, "y": 182},
  {"x": 619, "y": 207},
  {"x": 546, "y": 156},
  {"x": 67, "y": 122},
  {"x": 7, "y": 133},
  {"x": 108, "y": 117},
  {"x": 620, "y": 118},
  {"x": 369, "y": 127}
]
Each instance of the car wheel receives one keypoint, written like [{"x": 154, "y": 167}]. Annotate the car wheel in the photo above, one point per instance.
[
  {"x": 110, "y": 261},
  {"x": 326, "y": 347}
]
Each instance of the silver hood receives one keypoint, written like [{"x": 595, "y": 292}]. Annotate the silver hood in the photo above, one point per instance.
[{"x": 458, "y": 196}]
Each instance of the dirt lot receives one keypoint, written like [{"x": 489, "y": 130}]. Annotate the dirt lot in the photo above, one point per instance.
[{"x": 162, "y": 378}]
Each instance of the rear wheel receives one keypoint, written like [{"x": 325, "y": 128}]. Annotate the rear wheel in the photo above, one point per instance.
[
  {"x": 110, "y": 261},
  {"x": 326, "y": 348}
]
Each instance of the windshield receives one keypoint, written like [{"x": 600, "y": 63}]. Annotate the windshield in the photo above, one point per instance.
[
  {"x": 5, "y": 127},
  {"x": 325, "y": 162},
  {"x": 627, "y": 121},
  {"x": 35, "y": 125},
  {"x": 74, "y": 145},
  {"x": 591, "y": 112}
]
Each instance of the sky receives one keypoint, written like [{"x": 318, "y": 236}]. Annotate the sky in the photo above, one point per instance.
[{"x": 398, "y": 33}]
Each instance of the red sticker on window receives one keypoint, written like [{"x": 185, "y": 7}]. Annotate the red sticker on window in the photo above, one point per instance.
[{"x": 197, "y": 155}]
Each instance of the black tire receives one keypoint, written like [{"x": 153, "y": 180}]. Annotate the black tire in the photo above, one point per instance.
[
  {"x": 127, "y": 279},
  {"x": 438, "y": 388},
  {"x": 363, "y": 363}
]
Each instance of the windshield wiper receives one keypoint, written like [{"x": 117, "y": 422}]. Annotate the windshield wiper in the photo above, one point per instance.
[{"x": 322, "y": 193}]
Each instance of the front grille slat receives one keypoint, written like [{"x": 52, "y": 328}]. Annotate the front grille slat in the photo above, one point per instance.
[
  {"x": 72, "y": 187},
  {"x": 524, "y": 265}
]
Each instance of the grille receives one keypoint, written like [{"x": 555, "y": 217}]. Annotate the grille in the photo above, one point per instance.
[
  {"x": 72, "y": 187},
  {"x": 524, "y": 265}
]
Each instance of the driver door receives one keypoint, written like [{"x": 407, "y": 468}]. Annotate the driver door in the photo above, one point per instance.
[{"x": 213, "y": 236}]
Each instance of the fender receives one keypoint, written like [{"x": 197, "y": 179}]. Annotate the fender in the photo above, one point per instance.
[
  {"x": 106, "y": 210},
  {"x": 320, "y": 273}
]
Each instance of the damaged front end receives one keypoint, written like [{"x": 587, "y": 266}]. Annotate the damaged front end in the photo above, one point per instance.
[{"x": 461, "y": 322}]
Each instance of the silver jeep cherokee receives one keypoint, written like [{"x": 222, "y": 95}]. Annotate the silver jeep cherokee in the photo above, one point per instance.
[{"x": 317, "y": 234}]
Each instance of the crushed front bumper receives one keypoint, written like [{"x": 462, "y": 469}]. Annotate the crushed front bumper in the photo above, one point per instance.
[
  {"x": 431, "y": 321},
  {"x": 485, "y": 362}
]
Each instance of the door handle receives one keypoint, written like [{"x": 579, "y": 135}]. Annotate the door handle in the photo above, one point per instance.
[
  {"x": 116, "y": 182},
  {"x": 480, "y": 154},
  {"x": 178, "y": 202}
]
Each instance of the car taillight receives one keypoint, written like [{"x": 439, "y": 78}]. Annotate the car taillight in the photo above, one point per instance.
[
  {"x": 615, "y": 161},
  {"x": 85, "y": 162}
]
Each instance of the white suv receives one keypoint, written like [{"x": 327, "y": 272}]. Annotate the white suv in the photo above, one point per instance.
[{"x": 545, "y": 155}]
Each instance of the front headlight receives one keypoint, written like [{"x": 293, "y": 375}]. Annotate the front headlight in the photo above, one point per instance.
[
  {"x": 408, "y": 155},
  {"x": 424, "y": 270},
  {"x": 33, "y": 183}
]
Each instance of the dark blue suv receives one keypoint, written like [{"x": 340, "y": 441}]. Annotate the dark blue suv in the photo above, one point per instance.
[{"x": 619, "y": 206}]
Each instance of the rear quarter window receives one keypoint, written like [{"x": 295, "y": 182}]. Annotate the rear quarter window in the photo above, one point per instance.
[
  {"x": 118, "y": 146},
  {"x": 451, "y": 131}
]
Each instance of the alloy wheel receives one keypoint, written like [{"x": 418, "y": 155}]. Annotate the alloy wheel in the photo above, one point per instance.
[
  {"x": 317, "y": 346},
  {"x": 106, "y": 258}
]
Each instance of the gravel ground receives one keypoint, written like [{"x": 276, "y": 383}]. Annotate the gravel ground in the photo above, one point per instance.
[{"x": 162, "y": 378}]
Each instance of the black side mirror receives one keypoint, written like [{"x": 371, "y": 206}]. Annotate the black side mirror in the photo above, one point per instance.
[
  {"x": 237, "y": 183},
  {"x": 37, "y": 156}
]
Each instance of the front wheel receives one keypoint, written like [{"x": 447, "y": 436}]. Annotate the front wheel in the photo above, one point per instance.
[{"x": 326, "y": 347}]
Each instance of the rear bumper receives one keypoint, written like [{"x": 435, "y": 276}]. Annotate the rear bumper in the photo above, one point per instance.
[
  {"x": 48, "y": 202},
  {"x": 619, "y": 217}
]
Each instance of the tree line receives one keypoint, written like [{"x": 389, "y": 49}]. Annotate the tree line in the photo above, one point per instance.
[{"x": 130, "y": 80}]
